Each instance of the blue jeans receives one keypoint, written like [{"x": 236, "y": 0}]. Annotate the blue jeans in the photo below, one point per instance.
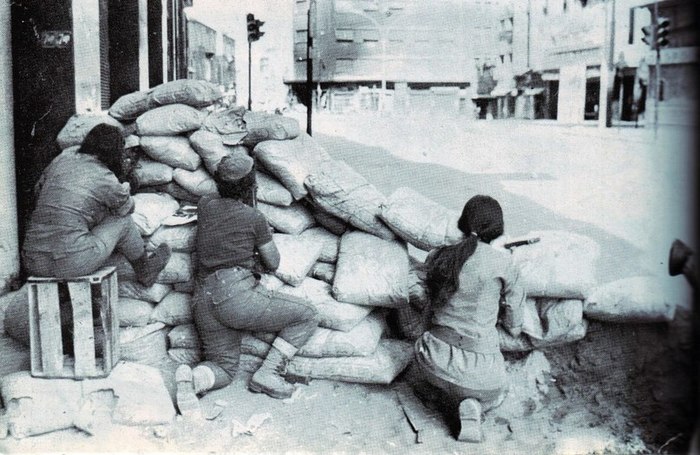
[
  {"x": 112, "y": 234},
  {"x": 228, "y": 302}
]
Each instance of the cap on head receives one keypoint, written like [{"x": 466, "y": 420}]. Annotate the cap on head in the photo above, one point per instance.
[{"x": 234, "y": 166}]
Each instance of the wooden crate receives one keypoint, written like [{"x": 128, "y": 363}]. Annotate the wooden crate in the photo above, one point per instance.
[{"x": 45, "y": 331}]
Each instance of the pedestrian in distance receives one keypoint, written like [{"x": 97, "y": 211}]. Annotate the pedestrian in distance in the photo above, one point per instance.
[
  {"x": 458, "y": 359},
  {"x": 234, "y": 243},
  {"x": 82, "y": 214}
]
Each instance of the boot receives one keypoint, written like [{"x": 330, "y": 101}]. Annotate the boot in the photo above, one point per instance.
[
  {"x": 470, "y": 421},
  {"x": 269, "y": 378},
  {"x": 186, "y": 398},
  {"x": 147, "y": 267},
  {"x": 203, "y": 379}
]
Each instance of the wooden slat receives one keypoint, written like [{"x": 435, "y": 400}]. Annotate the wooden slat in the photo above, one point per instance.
[
  {"x": 106, "y": 319},
  {"x": 83, "y": 331},
  {"x": 114, "y": 302},
  {"x": 96, "y": 277},
  {"x": 34, "y": 338},
  {"x": 50, "y": 327}
]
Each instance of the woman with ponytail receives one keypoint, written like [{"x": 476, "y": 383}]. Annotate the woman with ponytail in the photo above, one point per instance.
[{"x": 468, "y": 283}]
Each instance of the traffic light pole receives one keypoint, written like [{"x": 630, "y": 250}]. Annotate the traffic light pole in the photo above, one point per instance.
[
  {"x": 250, "y": 100},
  {"x": 309, "y": 71},
  {"x": 658, "y": 75}
]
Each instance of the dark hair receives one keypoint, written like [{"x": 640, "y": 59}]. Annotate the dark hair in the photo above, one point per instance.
[
  {"x": 482, "y": 218},
  {"x": 107, "y": 144},
  {"x": 242, "y": 189}
]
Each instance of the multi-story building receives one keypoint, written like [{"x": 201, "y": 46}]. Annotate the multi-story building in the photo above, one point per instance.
[
  {"x": 392, "y": 54},
  {"x": 210, "y": 55}
]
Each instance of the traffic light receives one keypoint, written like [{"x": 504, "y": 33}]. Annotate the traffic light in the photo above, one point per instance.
[
  {"x": 662, "y": 24},
  {"x": 649, "y": 37},
  {"x": 254, "y": 25}
]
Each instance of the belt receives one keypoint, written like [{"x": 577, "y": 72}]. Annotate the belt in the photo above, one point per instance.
[
  {"x": 231, "y": 274},
  {"x": 453, "y": 338}
]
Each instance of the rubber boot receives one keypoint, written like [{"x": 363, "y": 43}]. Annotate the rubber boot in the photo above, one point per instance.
[
  {"x": 147, "y": 267},
  {"x": 470, "y": 421},
  {"x": 269, "y": 378},
  {"x": 187, "y": 401}
]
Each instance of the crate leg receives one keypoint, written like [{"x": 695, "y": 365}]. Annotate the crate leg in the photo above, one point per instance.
[
  {"x": 50, "y": 327},
  {"x": 34, "y": 334},
  {"x": 114, "y": 301},
  {"x": 83, "y": 330}
]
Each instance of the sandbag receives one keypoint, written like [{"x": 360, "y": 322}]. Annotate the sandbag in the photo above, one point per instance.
[
  {"x": 184, "y": 336},
  {"x": 146, "y": 345},
  {"x": 188, "y": 356},
  {"x": 561, "y": 265},
  {"x": 193, "y": 92},
  {"x": 135, "y": 290},
  {"x": 342, "y": 192},
  {"x": 361, "y": 340},
  {"x": 187, "y": 286},
  {"x": 175, "y": 151},
  {"x": 262, "y": 126},
  {"x": 16, "y": 316},
  {"x": 228, "y": 124},
  {"x": 634, "y": 299},
  {"x": 293, "y": 219},
  {"x": 509, "y": 343},
  {"x": 197, "y": 182},
  {"x": 179, "y": 269},
  {"x": 389, "y": 359},
  {"x": 560, "y": 318},
  {"x": 332, "y": 314},
  {"x": 330, "y": 242},
  {"x": 128, "y": 107},
  {"x": 174, "y": 309},
  {"x": 150, "y": 209},
  {"x": 297, "y": 256},
  {"x": 292, "y": 161},
  {"x": 532, "y": 324},
  {"x": 133, "y": 312},
  {"x": 323, "y": 271},
  {"x": 149, "y": 172},
  {"x": 79, "y": 125},
  {"x": 271, "y": 191},
  {"x": 420, "y": 221},
  {"x": 179, "y": 238},
  {"x": 331, "y": 222},
  {"x": 573, "y": 334},
  {"x": 175, "y": 190},
  {"x": 210, "y": 147},
  {"x": 169, "y": 120},
  {"x": 371, "y": 271}
]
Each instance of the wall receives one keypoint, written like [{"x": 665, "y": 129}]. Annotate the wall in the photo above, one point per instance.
[{"x": 572, "y": 93}]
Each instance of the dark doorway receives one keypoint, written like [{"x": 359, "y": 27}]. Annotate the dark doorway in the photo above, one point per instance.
[
  {"x": 551, "y": 95},
  {"x": 627, "y": 98},
  {"x": 592, "y": 99},
  {"x": 123, "y": 39}
]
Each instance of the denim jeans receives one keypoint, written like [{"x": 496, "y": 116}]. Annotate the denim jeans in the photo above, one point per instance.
[
  {"x": 112, "y": 234},
  {"x": 228, "y": 302}
]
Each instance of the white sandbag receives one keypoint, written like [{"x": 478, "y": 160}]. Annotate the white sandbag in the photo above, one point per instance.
[
  {"x": 292, "y": 161},
  {"x": 149, "y": 172},
  {"x": 175, "y": 190},
  {"x": 323, "y": 271},
  {"x": 210, "y": 147},
  {"x": 228, "y": 124},
  {"x": 254, "y": 346},
  {"x": 184, "y": 336},
  {"x": 179, "y": 269},
  {"x": 574, "y": 333},
  {"x": 420, "y": 221},
  {"x": 150, "y": 209},
  {"x": 561, "y": 265},
  {"x": 188, "y": 356},
  {"x": 343, "y": 192},
  {"x": 135, "y": 290},
  {"x": 133, "y": 312},
  {"x": 297, "y": 256},
  {"x": 128, "y": 107},
  {"x": 560, "y": 318},
  {"x": 262, "y": 126},
  {"x": 198, "y": 182},
  {"x": 179, "y": 238},
  {"x": 293, "y": 219},
  {"x": 509, "y": 343},
  {"x": 271, "y": 191},
  {"x": 331, "y": 222},
  {"x": 330, "y": 241},
  {"x": 193, "y": 92},
  {"x": 634, "y": 299},
  {"x": 174, "y": 309},
  {"x": 389, "y": 359},
  {"x": 331, "y": 313},
  {"x": 361, "y": 340},
  {"x": 79, "y": 125},
  {"x": 371, "y": 271},
  {"x": 174, "y": 151},
  {"x": 169, "y": 120},
  {"x": 532, "y": 324},
  {"x": 146, "y": 345}
]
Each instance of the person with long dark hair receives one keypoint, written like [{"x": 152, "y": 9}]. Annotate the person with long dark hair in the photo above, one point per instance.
[
  {"x": 82, "y": 214},
  {"x": 469, "y": 283},
  {"x": 234, "y": 244}
]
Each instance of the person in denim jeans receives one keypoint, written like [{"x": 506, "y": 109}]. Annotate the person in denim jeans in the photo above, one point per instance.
[
  {"x": 233, "y": 242},
  {"x": 82, "y": 214}
]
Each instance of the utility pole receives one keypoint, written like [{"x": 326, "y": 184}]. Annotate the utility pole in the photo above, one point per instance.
[
  {"x": 254, "y": 34},
  {"x": 309, "y": 69},
  {"x": 605, "y": 114},
  {"x": 657, "y": 84}
]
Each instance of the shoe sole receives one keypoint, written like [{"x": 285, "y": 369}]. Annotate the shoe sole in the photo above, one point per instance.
[
  {"x": 470, "y": 422},
  {"x": 186, "y": 398},
  {"x": 256, "y": 388}
]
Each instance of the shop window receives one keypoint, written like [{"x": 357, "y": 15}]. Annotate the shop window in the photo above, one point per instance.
[{"x": 344, "y": 35}]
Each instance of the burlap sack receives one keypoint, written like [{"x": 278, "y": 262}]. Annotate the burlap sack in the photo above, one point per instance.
[
  {"x": 133, "y": 312},
  {"x": 297, "y": 256},
  {"x": 271, "y": 191},
  {"x": 174, "y": 309},
  {"x": 293, "y": 219},
  {"x": 152, "y": 208},
  {"x": 128, "y": 107},
  {"x": 634, "y": 299},
  {"x": 149, "y": 173},
  {"x": 175, "y": 190},
  {"x": 188, "y": 356},
  {"x": 342, "y": 192},
  {"x": 179, "y": 269},
  {"x": 228, "y": 124},
  {"x": 420, "y": 221},
  {"x": 371, "y": 271},
  {"x": 179, "y": 238},
  {"x": 169, "y": 120},
  {"x": 262, "y": 126},
  {"x": 79, "y": 125},
  {"x": 135, "y": 290},
  {"x": 330, "y": 242},
  {"x": 193, "y": 92},
  {"x": 145, "y": 345},
  {"x": 174, "y": 151},
  {"x": 361, "y": 340},
  {"x": 210, "y": 147},
  {"x": 323, "y": 271},
  {"x": 184, "y": 336},
  {"x": 198, "y": 182}
]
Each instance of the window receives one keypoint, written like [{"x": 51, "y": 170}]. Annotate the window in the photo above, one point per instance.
[
  {"x": 300, "y": 36},
  {"x": 370, "y": 36},
  {"x": 510, "y": 57},
  {"x": 344, "y": 35},
  {"x": 343, "y": 66},
  {"x": 503, "y": 58}
]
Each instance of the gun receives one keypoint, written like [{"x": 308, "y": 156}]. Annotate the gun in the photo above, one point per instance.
[{"x": 521, "y": 243}]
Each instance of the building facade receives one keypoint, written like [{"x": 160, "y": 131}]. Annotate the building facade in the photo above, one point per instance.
[{"x": 211, "y": 56}]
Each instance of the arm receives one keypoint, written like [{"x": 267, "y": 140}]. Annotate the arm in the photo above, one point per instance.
[
  {"x": 512, "y": 300},
  {"x": 116, "y": 196},
  {"x": 269, "y": 255}
]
